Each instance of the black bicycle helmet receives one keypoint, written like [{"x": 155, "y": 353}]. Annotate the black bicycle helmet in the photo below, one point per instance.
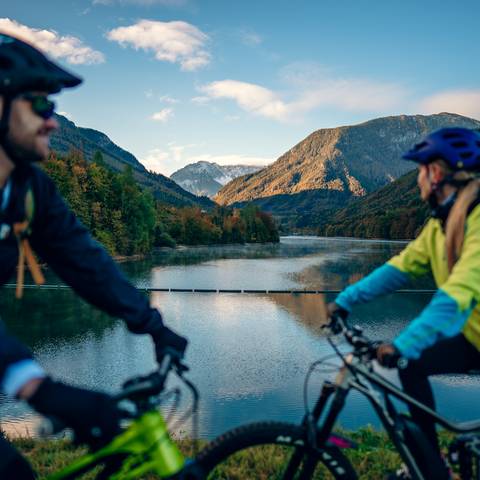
[
  {"x": 459, "y": 147},
  {"x": 23, "y": 68}
]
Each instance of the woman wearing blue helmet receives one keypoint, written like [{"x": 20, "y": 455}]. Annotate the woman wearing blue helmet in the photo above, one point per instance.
[{"x": 445, "y": 337}]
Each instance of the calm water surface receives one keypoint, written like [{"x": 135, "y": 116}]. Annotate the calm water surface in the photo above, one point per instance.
[{"x": 248, "y": 353}]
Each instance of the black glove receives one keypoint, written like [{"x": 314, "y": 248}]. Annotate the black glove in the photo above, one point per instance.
[
  {"x": 335, "y": 312},
  {"x": 168, "y": 342},
  {"x": 94, "y": 416},
  {"x": 389, "y": 357}
]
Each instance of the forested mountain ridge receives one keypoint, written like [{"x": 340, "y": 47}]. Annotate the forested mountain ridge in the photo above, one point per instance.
[
  {"x": 70, "y": 138},
  {"x": 394, "y": 212},
  {"x": 356, "y": 160}
]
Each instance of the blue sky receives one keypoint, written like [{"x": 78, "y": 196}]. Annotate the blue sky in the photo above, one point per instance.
[{"x": 177, "y": 81}]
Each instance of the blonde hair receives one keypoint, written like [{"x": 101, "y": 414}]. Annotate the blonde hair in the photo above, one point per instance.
[{"x": 455, "y": 225}]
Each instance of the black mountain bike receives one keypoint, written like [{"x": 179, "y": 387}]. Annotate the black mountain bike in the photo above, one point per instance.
[{"x": 316, "y": 453}]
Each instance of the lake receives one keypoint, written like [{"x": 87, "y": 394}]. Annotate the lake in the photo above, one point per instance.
[{"x": 248, "y": 353}]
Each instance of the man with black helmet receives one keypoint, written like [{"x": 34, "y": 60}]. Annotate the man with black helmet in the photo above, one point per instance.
[
  {"x": 445, "y": 337},
  {"x": 33, "y": 216}
]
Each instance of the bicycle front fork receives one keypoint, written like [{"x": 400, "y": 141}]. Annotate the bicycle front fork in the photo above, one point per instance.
[{"x": 308, "y": 453}]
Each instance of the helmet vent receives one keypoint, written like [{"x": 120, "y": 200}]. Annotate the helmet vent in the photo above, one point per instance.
[
  {"x": 466, "y": 155},
  {"x": 450, "y": 135},
  {"x": 460, "y": 144},
  {"x": 420, "y": 145}
]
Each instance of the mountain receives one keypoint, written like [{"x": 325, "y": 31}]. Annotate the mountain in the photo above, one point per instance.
[
  {"x": 207, "y": 178},
  {"x": 393, "y": 212},
  {"x": 351, "y": 161},
  {"x": 70, "y": 137}
]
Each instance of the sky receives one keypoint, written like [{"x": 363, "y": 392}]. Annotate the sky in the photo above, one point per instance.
[{"x": 242, "y": 82}]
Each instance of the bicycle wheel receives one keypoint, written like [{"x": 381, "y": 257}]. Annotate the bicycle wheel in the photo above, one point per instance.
[{"x": 273, "y": 451}]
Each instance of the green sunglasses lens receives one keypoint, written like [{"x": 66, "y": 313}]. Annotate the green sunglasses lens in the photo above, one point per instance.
[{"x": 43, "y": 107}]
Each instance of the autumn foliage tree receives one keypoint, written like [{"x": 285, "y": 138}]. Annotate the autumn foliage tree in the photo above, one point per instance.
[{"x": 129, "y": 220}]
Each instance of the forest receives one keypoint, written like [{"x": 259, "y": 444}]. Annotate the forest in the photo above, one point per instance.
[
  {"x": 128, "y": 220},
  {"x": 394, "y": 212}
]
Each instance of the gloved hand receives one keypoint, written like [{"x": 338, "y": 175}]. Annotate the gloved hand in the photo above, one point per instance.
[
  {"x": 94, "y": 416},
  {"x": 168, "y": 342},
  {"x": 165, "y": 340},
  {"x": 388, "y": 356},
  {"x": 333, "y": 311}
]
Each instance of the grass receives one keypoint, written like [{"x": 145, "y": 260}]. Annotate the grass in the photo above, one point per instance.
[{"x": 374, "y": 456}]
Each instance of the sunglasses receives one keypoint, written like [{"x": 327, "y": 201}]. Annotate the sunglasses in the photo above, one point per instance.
[{"x": 41, "y": 105}]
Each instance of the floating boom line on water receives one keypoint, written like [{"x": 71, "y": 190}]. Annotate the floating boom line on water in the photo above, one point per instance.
[{"x": 221, "y": 290}]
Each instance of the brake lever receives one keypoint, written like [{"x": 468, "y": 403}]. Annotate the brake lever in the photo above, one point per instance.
[{"x": 181, "y": 368}]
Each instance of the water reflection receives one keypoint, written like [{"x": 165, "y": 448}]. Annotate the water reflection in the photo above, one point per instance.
[{"x": 248, "y": 353}]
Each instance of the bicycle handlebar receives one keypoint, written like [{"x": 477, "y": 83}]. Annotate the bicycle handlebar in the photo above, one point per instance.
[
  {"x": 135, "y": 389},
  {"x": 362, "y": 345}
]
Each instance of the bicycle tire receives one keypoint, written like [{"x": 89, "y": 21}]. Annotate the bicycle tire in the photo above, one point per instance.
[{"x": 280, "y": 441}]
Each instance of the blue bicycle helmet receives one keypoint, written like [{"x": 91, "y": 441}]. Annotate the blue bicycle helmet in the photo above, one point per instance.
[{"x": 459, "y": 147}]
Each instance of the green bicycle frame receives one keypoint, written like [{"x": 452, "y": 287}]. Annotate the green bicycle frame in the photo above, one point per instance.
[{"x": 146, "y": 445}]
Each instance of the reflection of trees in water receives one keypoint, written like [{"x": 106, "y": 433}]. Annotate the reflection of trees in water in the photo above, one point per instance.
[
  {"x": 381, "y": 319},
  {"x": 308, "y": 309},
  {"x": 342, "y": 268},
  {"x": 287, "y": 248},
  {"x": 44, "y": 316}
]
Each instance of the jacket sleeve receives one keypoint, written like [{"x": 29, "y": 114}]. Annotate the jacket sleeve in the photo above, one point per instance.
[
  {"x": 382, "y": 280},
  {"x": 441, "y": 318},
  {"x": 16, "y": 364},
  {"x": 413, "y": 261},
  {"x": 453, "y": 303},
  {"x": 81, "y": 262}
]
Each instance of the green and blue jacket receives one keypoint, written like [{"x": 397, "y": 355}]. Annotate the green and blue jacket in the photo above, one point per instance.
[{"x": 454, "y": 307}]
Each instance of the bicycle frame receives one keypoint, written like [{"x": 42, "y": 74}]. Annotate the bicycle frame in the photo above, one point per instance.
[
  {"x": 350, "y": 376},
  {"x": 145, "y": 446}
]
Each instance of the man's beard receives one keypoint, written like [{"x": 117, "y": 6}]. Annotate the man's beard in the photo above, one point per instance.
[{"x": 20, "y": 155}]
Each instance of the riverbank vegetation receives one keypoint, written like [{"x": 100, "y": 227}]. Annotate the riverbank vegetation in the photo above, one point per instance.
[
  {"x": 374, "y": 456},
  {"x": 129, "y": 220}
]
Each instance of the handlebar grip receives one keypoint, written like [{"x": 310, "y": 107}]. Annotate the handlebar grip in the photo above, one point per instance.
[
  {"x": 338, "y": 321},
  {"x": 395, "y": 361}
]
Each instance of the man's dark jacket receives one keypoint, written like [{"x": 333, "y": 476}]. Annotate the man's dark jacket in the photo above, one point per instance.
[{"x": 61, "y": 241}]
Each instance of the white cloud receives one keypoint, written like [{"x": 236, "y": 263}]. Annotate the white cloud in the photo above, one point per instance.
[
  {"x": 250, "y": 38},
  {"x": 72, "y": 49},
  {"x": 309, "y": 88},
  {"x": 155, "y": 160},
  {"x": 202, "y": 100},
  {"x": 319, "y": 86},
  {"x": 174, "y": 157},
  {"x": 163, "y": 115},
  {"x": 175, "y": 42},
  {"x": 168, "y": 99},
  {"x": 250, "y": 97},
  {"x": 463, "y": 102}
]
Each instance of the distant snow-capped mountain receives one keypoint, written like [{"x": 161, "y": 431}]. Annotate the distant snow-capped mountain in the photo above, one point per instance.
[{"x": 207, "y": 178}]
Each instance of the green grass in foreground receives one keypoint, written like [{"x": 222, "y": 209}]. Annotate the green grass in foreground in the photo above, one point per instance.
[{"x": 374, "y": 456}]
